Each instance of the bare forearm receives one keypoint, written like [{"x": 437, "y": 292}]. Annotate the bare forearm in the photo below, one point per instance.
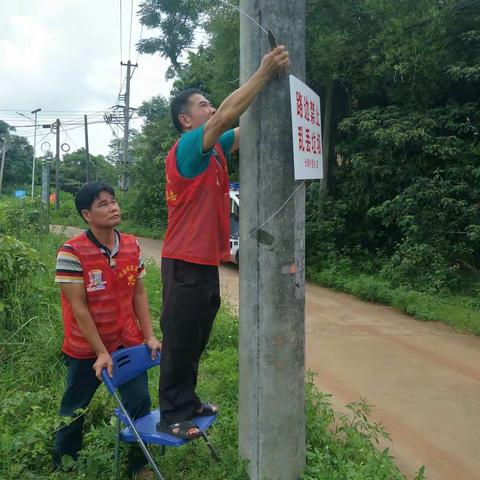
[
  {"x": 88, "y": 328},
  {"x": 237, "y": 102}
]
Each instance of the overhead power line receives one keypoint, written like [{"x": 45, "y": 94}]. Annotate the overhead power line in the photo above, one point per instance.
[
  {"x": 131, "y": 24},
  {"x": 139, "y": 40},
  {"x": 121, "y": 40}
]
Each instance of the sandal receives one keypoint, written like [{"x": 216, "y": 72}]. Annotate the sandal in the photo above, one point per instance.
[
  {"x": 183, "y": 429},
  {"x": 206, "y": 410}
]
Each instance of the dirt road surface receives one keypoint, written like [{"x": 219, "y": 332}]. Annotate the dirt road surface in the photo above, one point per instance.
[{"x": 422, "y": 378}]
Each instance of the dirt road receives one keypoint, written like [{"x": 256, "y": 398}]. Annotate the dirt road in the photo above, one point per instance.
[{"x": 422, "y": 378}]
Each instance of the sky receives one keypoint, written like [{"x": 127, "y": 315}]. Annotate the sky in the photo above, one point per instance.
[{"x": 63, "y": 56}]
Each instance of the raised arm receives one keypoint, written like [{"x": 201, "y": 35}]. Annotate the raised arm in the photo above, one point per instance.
[{"x": 236, "y": 103}]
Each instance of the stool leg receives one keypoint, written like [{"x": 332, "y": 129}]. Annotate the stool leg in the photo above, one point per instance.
[
  {"x": 117, "y": 451},
  {"x": 210, "y": 447}
]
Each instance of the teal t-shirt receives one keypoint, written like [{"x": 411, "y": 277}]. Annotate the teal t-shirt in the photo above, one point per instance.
[{"x": 191, "y": 159}]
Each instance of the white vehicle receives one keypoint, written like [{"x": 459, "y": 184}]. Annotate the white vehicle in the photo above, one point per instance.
[{"x": 234, "y": 222}]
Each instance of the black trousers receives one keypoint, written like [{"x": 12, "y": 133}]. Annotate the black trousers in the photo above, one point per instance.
[
  {"x": 191, "y": 299},
  {"x": 81, "y": 386}
]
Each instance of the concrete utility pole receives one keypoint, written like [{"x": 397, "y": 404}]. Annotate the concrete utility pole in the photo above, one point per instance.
[
  {"x": 46, "y": 193},
  {"x": 87, "y": 157},
  {"x": 34, "y": 146},
  {"x": 126, "y": 115},
  {"x": 57, "y": 165},
  {"x": 272, "y": 274}
]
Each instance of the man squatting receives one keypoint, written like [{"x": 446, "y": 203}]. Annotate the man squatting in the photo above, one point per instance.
[{"x": 104, "y": 308}]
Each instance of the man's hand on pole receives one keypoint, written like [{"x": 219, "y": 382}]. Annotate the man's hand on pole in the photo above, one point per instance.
[{"x": 274, "y": 62}]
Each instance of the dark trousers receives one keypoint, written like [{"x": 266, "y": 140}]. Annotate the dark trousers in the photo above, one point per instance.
[
  {"x": 81, "y": 386},
  {"x": 191, "y": 299}
]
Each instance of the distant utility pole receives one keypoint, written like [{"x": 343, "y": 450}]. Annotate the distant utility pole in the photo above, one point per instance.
[
  {"x": 46, "y": 193},
  {"x": 35, "y": 112},
  {"x": 126, "y": 116},
  {"x": 3, "y": 146},
  {"x": 272, "y": 256},
  {"x": 57, "y": 165},
  {"x": 87, "y": 154}
]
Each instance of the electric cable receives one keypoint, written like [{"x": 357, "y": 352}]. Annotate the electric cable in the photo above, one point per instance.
[
  {"x": 139, "y": 40},
  {"x": 121, "y": 50},
  {"x": 68, "y": 136},
  {"x": 121, "y": 39},
  {"x": 265, "y": 31},
  {"x": 252, "y": 233},
  {"x": 131, "y": 23}
]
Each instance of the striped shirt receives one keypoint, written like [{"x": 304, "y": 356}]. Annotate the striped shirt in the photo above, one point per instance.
[{"x": 70, "y": 270}]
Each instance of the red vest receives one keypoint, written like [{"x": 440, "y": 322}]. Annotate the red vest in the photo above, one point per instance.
[
  {"x": 198, "y": 212},
  {"x": 109, "y": 297}
]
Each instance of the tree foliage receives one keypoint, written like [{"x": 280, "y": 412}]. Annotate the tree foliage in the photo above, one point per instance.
[
  {"x": 403, "y": 78},
  {"x": 73, "y": 170},
  {"x": 145, "y": 201},
  {"x": 18, "y": 157}
]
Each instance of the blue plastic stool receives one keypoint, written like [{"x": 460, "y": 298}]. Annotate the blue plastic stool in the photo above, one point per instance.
[{"x": 128, "y": 363}]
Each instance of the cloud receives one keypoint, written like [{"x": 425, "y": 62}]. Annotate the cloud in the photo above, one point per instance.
[
  {"x": 65, "y": 55},
  {"x": 25, "y": 51}
]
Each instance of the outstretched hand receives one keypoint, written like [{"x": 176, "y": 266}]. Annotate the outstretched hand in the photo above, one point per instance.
[{"x": 275, "y": 61}]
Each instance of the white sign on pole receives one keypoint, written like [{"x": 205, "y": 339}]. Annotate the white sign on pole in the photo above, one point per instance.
[{"x": 306, "y": 131}]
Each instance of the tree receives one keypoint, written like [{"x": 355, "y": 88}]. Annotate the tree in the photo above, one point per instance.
[
  {"x": 18, "y": 158},
  {"x": 401, "y": 83},
  {"x": 145, "y": 199},
  {"x": 73, "y": 170},
  {"x": 177, "y": 20}
]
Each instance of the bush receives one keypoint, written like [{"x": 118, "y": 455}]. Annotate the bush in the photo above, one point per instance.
[
  {"x": 337, "y": 447},
  {"x": 422, "y": 267},
  {"x": 19, "y": 218},
  {"x": 341, "y": 446},
  {"x": 67, "y": 212},
  {"x": 18, "y": 263}
]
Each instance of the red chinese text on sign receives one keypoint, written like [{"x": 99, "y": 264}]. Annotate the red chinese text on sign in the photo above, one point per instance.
[{"x": 306, "y": 131}]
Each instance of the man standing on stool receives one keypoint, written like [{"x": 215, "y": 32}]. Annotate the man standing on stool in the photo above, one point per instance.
[{"x": 198, "y": 239}]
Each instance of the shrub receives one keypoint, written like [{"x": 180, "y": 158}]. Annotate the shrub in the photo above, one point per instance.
[
  {"x": 19, "y": 218},
  {"x": 18, "y": 263}
]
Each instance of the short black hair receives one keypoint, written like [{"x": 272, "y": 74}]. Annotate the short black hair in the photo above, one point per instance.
[
  {"x": 88, "y": 193},
  {"x": 179, "y": 105}
]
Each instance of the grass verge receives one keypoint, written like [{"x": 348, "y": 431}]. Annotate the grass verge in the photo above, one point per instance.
[
  {"x": 461, "y": 312},
  {"x": 32, "y": 382}
]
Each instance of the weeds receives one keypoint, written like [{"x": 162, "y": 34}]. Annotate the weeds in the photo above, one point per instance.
[{"x": 32, "y": 382}]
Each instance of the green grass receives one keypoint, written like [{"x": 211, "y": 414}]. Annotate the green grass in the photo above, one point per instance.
[
  {"x": 129, "y": 226},
  {"x": 32, "y": 382},
  {"x": 460, "y": 311}
]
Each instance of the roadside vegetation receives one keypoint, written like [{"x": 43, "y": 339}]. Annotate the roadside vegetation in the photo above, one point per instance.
[
  {"x": 397, "y": 218},
  {"x": 68, "y": 216},
  {"x": 32, "y": 381}
]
